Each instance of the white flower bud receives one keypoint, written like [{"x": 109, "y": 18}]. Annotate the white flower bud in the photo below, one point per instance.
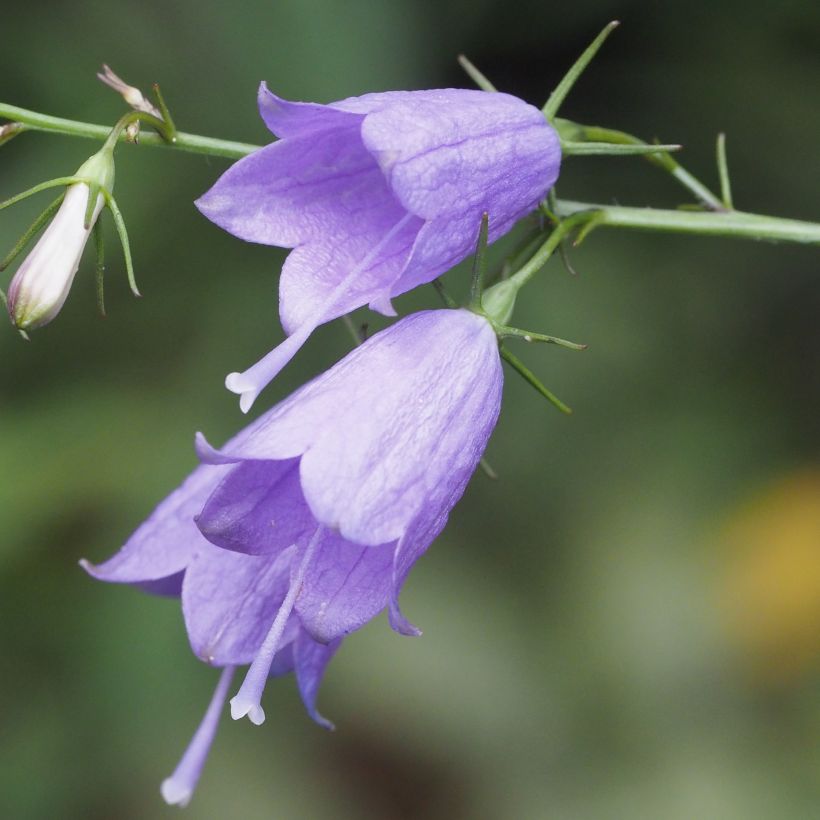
[{"x": 41, "y": 284}]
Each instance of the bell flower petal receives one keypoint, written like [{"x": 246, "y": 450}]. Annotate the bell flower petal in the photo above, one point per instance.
[{"x": 399, "y": 424}]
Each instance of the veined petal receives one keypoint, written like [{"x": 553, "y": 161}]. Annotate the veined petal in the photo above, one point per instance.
[
  {"x": 429, "y": 386},
  {"x": 453, "y": 151},
  {"x": 310, "y": 659},
  {"x": 229, "y": 600},
  {"x": 164, "y": 543},
  {"x": 313, "y": 270},
  {"x": 252, "y": 381},
  {"x": 295, "y": 119},
  {"x": 285, "y": 193},
  {"x": 258, "y": 508},
  {"x": 345, "y": 586}
]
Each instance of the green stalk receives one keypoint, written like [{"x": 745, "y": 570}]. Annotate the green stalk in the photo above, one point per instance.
[
  {"x": 190, "y": 143},
  {"x": 737, "y": 224}
]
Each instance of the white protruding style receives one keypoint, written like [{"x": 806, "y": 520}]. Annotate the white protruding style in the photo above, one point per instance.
[{"x": 247, "y": 700}]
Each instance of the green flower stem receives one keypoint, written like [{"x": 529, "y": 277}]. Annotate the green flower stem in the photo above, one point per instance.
[
  {"x": 737, "y": 224},
  {"x": 190, "y": 143}
]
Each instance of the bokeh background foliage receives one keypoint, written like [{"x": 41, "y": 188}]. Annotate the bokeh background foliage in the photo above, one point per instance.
[{"x": 625, "y": 625}]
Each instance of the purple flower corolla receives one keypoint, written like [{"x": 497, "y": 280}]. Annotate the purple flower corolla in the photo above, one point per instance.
[
  {"x": 316, "y": 512},
  {"x": 376, "y": 195}
]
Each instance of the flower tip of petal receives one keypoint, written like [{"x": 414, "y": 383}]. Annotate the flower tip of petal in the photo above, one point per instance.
[
  {"x": 401, "y": 625},
  {"x": 382, "y": 304},
  {"x": 174, "y": 793},
  {"x": 324, "y": 722},
  {"x": 241, "y": 707}
]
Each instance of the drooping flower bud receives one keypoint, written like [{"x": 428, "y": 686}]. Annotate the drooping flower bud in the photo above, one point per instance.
[{"x": 41, "y": 284}]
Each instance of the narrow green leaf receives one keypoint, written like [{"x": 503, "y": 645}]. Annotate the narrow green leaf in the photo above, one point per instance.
[
  {"x": 563, "y": 88},
  {"x": 723, "y": 172},
  {"x": 532, "y": 379},
  {"x": 475, "y": 75}
]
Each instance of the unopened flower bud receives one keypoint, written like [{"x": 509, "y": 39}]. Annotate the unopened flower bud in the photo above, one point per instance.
[
  {"x": 133, "y": 96},
  {"x": 41, "y": 284},
  {"x": 9, "y": 130}
]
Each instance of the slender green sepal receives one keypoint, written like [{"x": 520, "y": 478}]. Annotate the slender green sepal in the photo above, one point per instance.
[
  {"x": 723, "y": 172},
  {"x": 443, "y": 295},
  {"x": 119, "y": 224},
  {"x": 99, "y": 270},
  {"x": 563, "y": 253},
  {"x": 479, "y": 262},
  {"x": 33, "y": 230},
  {"x": 574, "y": 132},
  {"x": 475, "y": 75},
  {"x": 607, "y": 149},
  {"x": 43, "y": 186},
  {"x": 4, "y": 299},
  {"x": 166, "y": 114},
  {"x": 549, "y": 209},
  {"x": 563, "y": 88},
  {"x": 504, "y": 332},
  {"x": 532, "y": 379},
  {"x": 487, "y": 469},
  {"x": 90, "y": 206},
  {"x": 594, "y": 220}
]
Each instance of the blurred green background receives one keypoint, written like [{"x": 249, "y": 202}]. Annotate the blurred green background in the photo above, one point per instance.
[{"x": 625, "y": 625}]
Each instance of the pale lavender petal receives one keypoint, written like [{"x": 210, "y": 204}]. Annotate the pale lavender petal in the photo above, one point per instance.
[
  {"x": 178, "y": 789},
  {"x": 451, "y": 151},
  {"x": 345, "y": 586},
  {"x": 313, "y": 270},
  {"x": 258, "y": 508},
  {"x": 295, "y": 119},
  {"x": 355, "y": 280},
  {"x": 283, "y": 193},
  {"x": 229, "y": 601},
  {"x": 310, "y": 661},
  {"x": 163, "y": 545},
  {"x": 429, "y": 386}
]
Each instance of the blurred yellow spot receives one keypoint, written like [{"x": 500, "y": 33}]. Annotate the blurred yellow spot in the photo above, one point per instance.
[{"x": 771, "y": 593}]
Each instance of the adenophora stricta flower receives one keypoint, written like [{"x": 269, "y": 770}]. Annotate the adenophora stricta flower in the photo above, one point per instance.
[
  {"x": 315, "y": 513},
  {"x": 378, "y": 194},
  {"x": 41, "y": 285}
]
